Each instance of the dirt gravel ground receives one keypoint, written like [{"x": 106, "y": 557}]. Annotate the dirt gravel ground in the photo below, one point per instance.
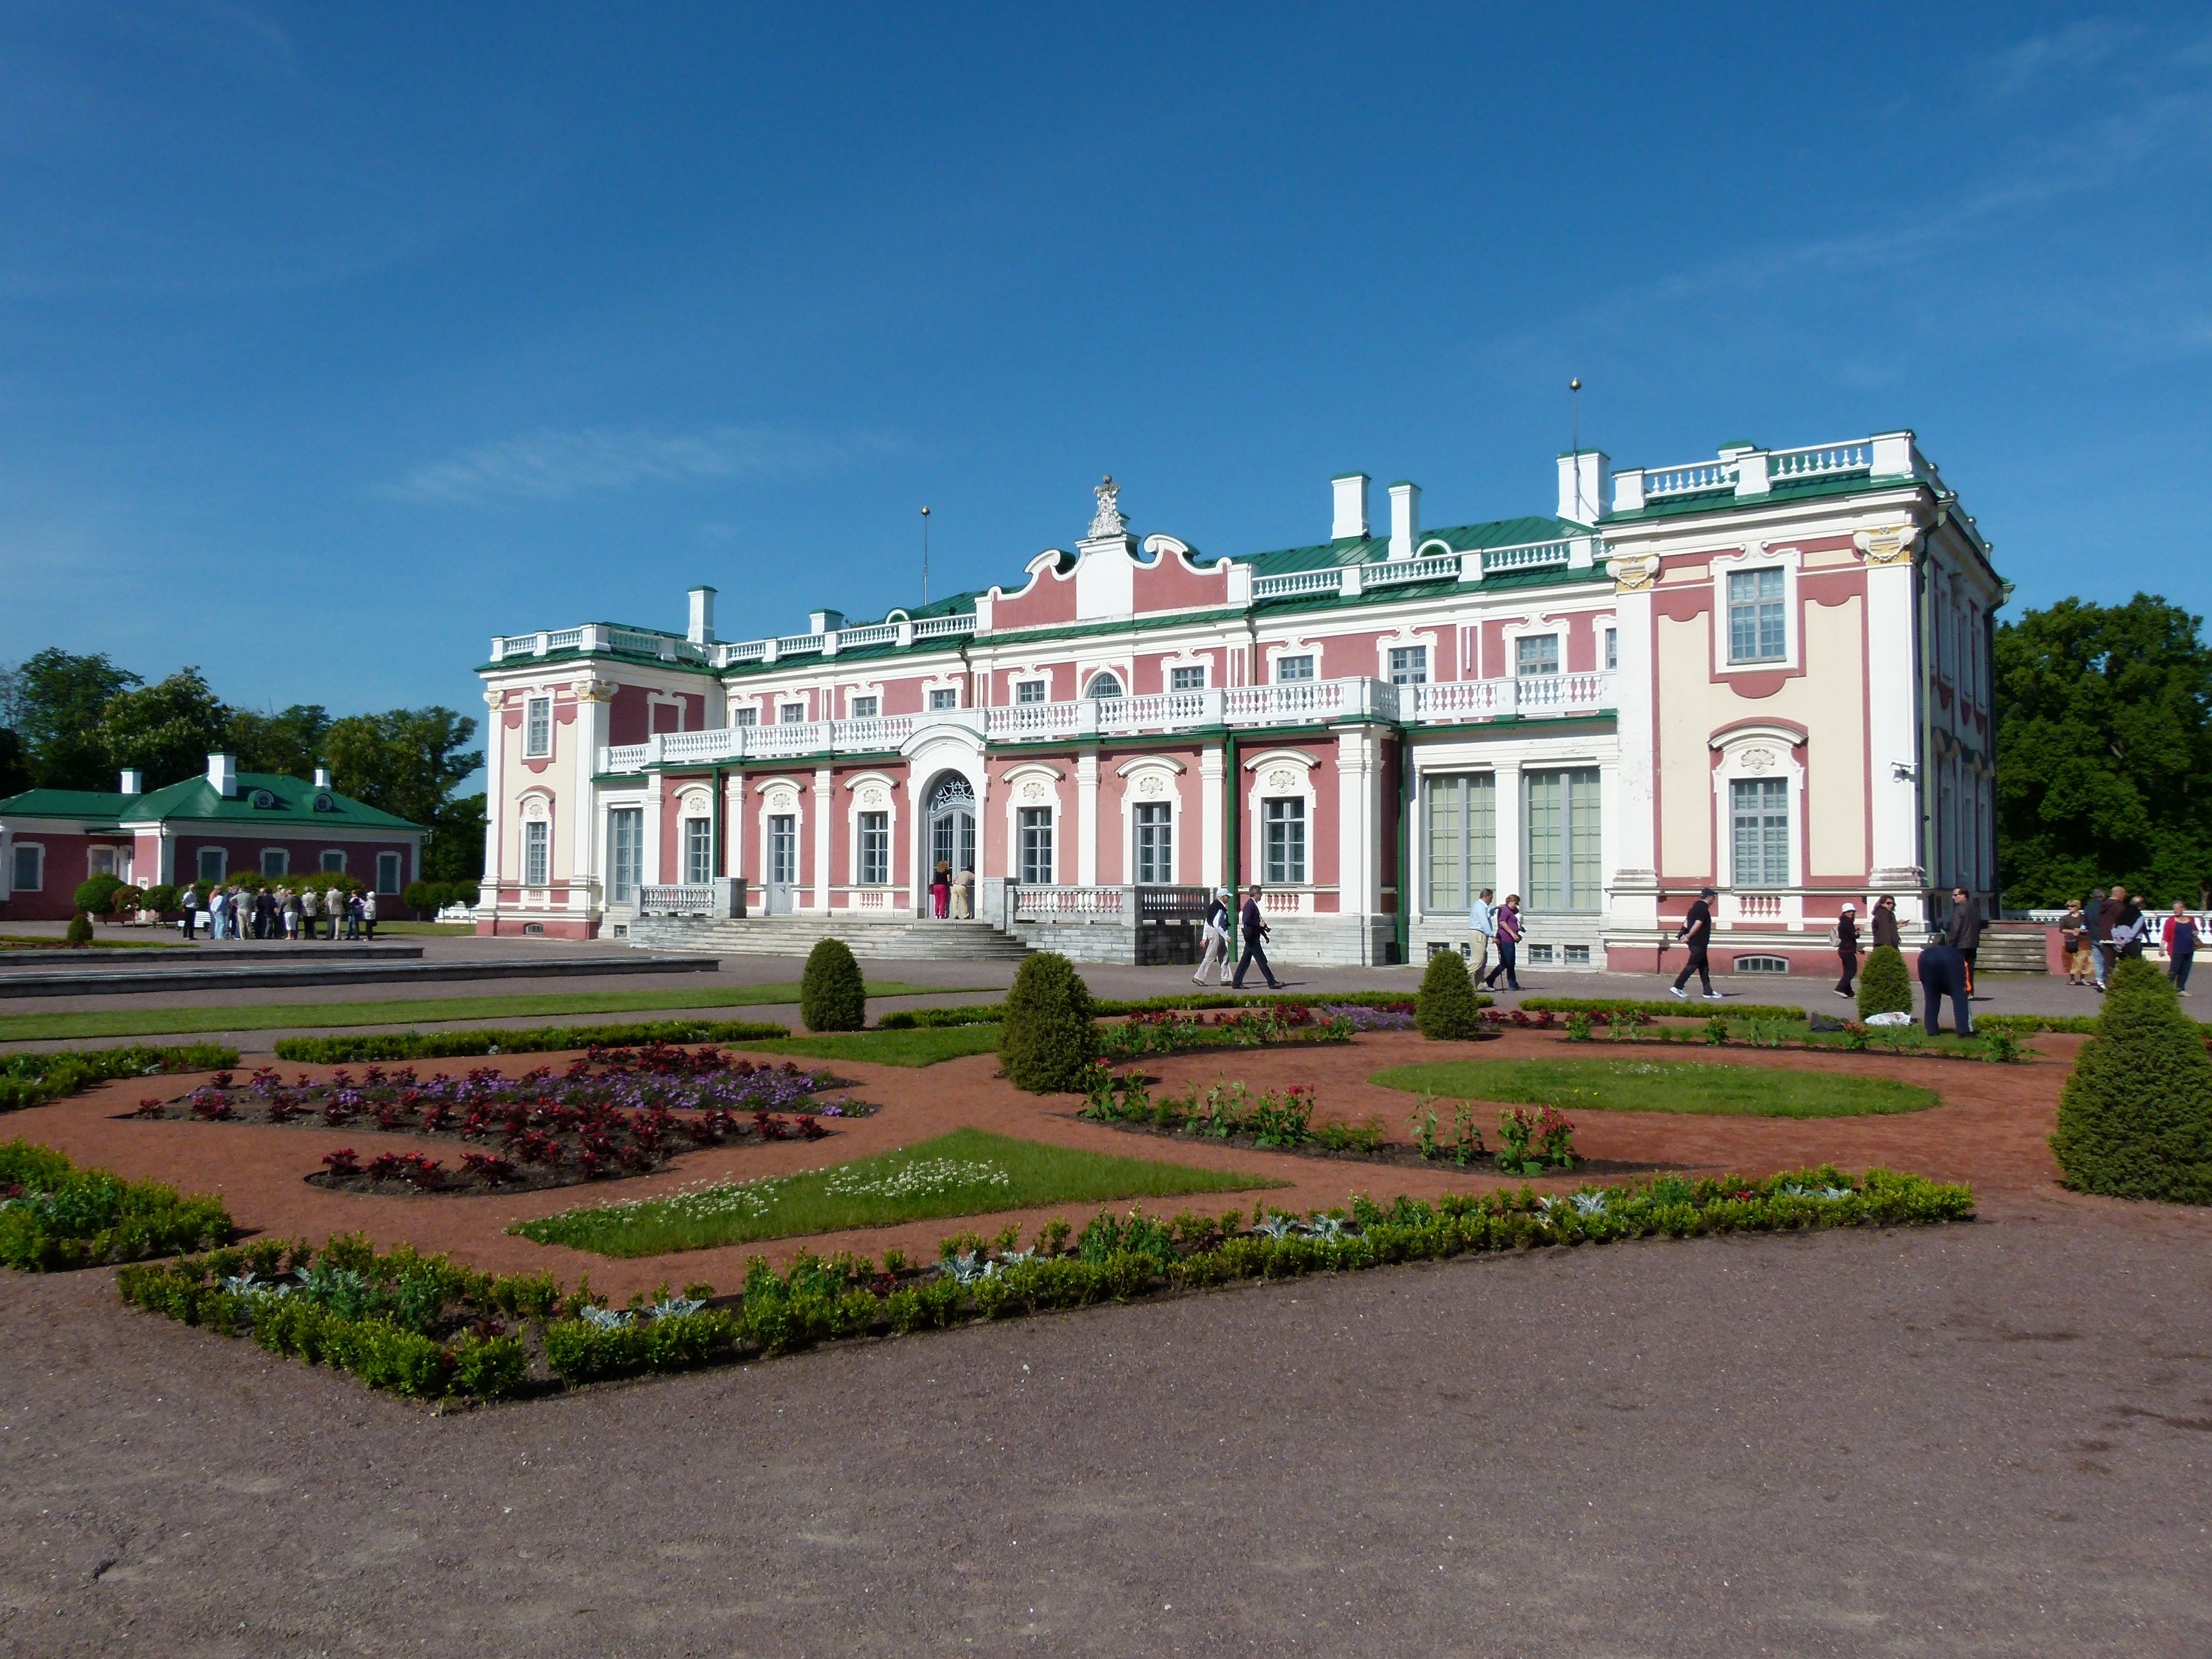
[{"x": 1984, "y": 1439}]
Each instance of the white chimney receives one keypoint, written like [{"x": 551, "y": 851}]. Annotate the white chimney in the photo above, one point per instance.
[
  {"x": 1350, "y": 520},
  {"x": 703, "y": 616},
  {"x": 1585, "y": 476},
  {"x": 322, "y": 777},
  {"x": 824, "y": 622},
  {"x": 223, "y": 774},
  {"x": 1405, "y": 519},
  {"x": 134, "y": 781}
]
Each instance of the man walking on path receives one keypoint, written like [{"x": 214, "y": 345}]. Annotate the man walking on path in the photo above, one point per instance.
[
  {"x": 1697, "y": 932},
  {"x": 1255, "y": 929},
  {"x": 2103, "y": 910},
  {"x": 1943, "y": 974},
  {"x": 1966, "y": 929},
  {"x": 1482, "y": 927},
  {"x": 1847, "y": 948},
  {"x": 1506, "y": 919},
  {"x": 1217, "y": 941}
]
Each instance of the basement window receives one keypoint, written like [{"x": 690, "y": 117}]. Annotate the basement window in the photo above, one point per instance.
[{"x": 1762, "y": 965}]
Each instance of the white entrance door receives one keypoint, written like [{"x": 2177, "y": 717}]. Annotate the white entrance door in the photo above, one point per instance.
[{"x": 782, "y": 864}]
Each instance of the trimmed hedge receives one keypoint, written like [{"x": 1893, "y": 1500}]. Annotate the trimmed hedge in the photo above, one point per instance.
[
  {"x": 28, "y": 1079},
  {"x": 831, "y": 997},
  {"x": 1884, "y": 986},
  {"x": 1447, "y": 1011},
  {"x": 2135, "y": 1120},
  {"x": 1665, "y": 1007},
  {"x": 544, "y": 1039},
  {"x": 1048, "y": 1038},
  {"x": 990, "y": 1013},
  {"x": 55, "y": 1215}
]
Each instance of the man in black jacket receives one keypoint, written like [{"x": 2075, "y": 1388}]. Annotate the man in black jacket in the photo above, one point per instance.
[
  {"x": 1255, "y": 929},
  {"x": 1966, "y": 929},
  {"x": 1943, "y": 974},
  {"x": 1697, "y": 932},
  {"x": 1847, "y": 948}
]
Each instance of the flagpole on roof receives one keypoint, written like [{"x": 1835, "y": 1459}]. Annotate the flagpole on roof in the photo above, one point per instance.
[{"x": 924, "y": 555}]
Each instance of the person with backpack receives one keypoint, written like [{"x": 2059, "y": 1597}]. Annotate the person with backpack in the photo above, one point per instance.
[
  {"x": 1697, "y": 932},
  {"x": 1216, "y": 928},
  {"x": 2180, "y": 941}
]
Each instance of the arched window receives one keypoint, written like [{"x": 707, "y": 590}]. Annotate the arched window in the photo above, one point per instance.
[{"x": 1103, "y": 685}]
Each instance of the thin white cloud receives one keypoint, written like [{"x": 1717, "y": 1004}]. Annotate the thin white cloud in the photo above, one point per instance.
[
  {"x": 549, "y": 465},
  {"x": 2081, "y": 44}
]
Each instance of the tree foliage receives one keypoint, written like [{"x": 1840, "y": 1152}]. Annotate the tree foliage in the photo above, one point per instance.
[
  {"x": 404, "y": 760},
  {"x": 56, "y": 702},
  {"x": 167, "y": 730},
  {"x": 2103, "y": 745}
]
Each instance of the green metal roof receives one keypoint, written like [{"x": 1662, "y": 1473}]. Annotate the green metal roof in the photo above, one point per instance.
[{"x": 195, "y": 801}]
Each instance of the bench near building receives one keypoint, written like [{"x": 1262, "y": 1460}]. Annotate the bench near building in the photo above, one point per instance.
[
  {"x": 1768, "y": 671},
  {"x": 211, "y": 828}
]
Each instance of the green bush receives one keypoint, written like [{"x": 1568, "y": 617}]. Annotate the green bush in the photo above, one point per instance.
[
  {"x": 1663, "y": 1008},
  {"x": 79, "y": 930},
  {"x": 990, "y": 1013},
  {"x": 831, "y": 997},
  {"x": 426, "y": 898},
  {"x": 1884, "y": 986},
  {"x": 60, "y": 1216},
  {"x": 27, "y": 1080},
  {"x": 2135, "y": 1118},
  {"x": 545, "y": 1039},
  {"x": 1446, "y": 1010},
  {"x": 160, "y": 899},
  {"x": 97, "y": 893},
  {"x": 1048, "y": 1038}
]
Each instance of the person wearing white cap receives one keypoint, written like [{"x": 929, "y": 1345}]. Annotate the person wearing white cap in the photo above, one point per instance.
[
  {"x": 1847, "y": 949},
  {"x": 1217, "y": 941}
]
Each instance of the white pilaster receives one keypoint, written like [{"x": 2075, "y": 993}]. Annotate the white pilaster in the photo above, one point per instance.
[
  {"x": 1630, "y": 816},
  {"x": 821, "y": 838},
  {"x": 1357, "y": 863},
  {"x": 733, "y": 826},
  {"x": 594, "y": 707},
  {"x": 1086, "y": 819},
  {"x": 495, "y": 813},
  {"x": 1211, "y": 844},
  {"x": 650, "y": 872},
  {"x": 1509, "y": 875},
  {"x": 1893, "y": 790}
]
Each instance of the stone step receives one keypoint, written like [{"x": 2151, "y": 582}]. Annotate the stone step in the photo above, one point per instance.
[
  {"x": 795, "y": 936},
  {"x": 2012, "y": 949}
]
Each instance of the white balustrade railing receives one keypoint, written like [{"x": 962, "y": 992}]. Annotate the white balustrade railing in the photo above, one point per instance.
[
  {"x": 1036, "y": 903},
  {"x": 792, "y": 645},
  {"x": 1297, "y": 582},
  {"x": 1442, "y": 568},
  {"x": 850, "y": 639},
  {"x": 1462, "y": 700},
  {"x": 746, "y": 651},
  {"x": 1528, "y": 555},
  {"x": 1818, "y": 460},
  {"x": 665, "y": 899},
  {"x": 1696, "y": 478},
  {"x": 1561, "y": 694},
  {"x": 931, "y": 628}
]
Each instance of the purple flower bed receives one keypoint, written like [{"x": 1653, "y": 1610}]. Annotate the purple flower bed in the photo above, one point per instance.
[{"x": 1363, "y": 1019}]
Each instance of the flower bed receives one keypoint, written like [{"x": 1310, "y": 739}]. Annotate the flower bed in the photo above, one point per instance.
[
  {"x": 1997, "y": 1038},
  {"x": 427, "y": 1327},
  {"x": 1169, "y": 1032},
  {"x": 610, "y": 1114},
  {"x": 29, "y": 1079},
  {"x": 545, "y": 1039},
  {"x": 992, "y": 1013},
  {"x": 53, "y": 1215}
]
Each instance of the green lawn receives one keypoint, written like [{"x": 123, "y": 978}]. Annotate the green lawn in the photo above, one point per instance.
[
  {"x": 967, "y": 1172},
  {"x": 56, "y": 942},
  {"x": 428, "y": 929},
  {"x": 315, "y": 1016},
  {"x": 1642, "y": 1084},
  {"x": 923, "y": 1046}
]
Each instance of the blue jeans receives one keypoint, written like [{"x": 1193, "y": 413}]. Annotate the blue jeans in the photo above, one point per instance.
[{"x": 2100, "y": 958}]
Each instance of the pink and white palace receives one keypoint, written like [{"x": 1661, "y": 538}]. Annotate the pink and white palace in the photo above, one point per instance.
[{"x": 1768, "y": 671}]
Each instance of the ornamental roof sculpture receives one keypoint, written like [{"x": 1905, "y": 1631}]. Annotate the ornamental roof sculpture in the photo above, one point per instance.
[{"x": 1107, "y": 520}]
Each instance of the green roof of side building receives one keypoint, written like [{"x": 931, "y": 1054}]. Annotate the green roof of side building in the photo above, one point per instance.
[{"x": 289, "y": 800}]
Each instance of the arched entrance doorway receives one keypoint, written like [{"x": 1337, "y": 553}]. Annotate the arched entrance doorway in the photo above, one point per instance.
[{"x": 948, "y": 831}]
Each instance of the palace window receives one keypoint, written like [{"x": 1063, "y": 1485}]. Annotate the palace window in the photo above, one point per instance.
[
  {"x": 333, "y": 862},
  {"x": 1155, "y": 826},
  {"x": 100, "y": 861},
  {"x": 1462, "y": 838},
  {"x": 1758, "y": 810},
  {"x": 30, "y": 872},
  {"x": 214, "y": 863},
  {"x": 1103, "y": 685},
  {"x": 625, "y": 853},
  {"x": 747, "y": 715},
  {"x": 1029, "y": 691},
  {"x": 1755, "y": 630},
  {"x": 875, "y": 849},
  {"x": 1409, "y": 664},
  {"x": 944, "y": 697},
  {"x": 1283, "y": 824},
  {"x": 537, "y": 853},
  {"x": 275, "y": 861},
  {"x": 1613, "y": 647},
  {"x": 1563, "y": 839},
  {"x": 698, "y": 852},
  {"x": 1186, "y": 679},
  {"x": 537, "y": 727},
  {"x": 387, "y": 872},
  {"x": 1033, "y": 831},
  {"x": 792, "y": 713},
  {"x": 864, "y": 708},
  {"x": 1536, "y": 656},
  {"x": 1293, "y": 668}
]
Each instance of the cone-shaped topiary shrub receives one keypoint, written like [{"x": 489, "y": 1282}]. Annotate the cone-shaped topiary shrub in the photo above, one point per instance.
[
  {"x": 79, "y": 930},
  {"x": 1884, "y": 986},
  {"x": 831, "y": 997},
  {"x": 2135, "y": 1118},
  {"x": 1446, "y": 1010},
  {"x": 1046, "y": 1040}
]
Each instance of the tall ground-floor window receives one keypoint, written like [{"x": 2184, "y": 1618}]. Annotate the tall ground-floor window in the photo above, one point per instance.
[
  {"x": 30, "y": 872},
  {"x": 1283, "y": 822},
  {"x": 1462, "y": 838},
  {"x": 538, "y": 854},
  {"x": 1563, "y": 862},
  {"x": 387, "y": 872},
  {"x": 875, "y": 849},
  {"x": 698, "y": 851},
  {"x": 213, "y": 862},
  {"x": 625, "y": 853},
  {"x": 1033, "y": 829},
  {"x": 275, "y": 861},
  {"x": 1155, "y": 827},
  {"x": 1758, "y": 810}
]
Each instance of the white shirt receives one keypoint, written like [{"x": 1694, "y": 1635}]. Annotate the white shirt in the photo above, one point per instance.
[{"x": 1482, "y": 920}]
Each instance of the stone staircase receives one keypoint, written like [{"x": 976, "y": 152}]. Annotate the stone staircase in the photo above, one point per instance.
[
  {"x": 795, "y": 936},
  {"x": 2013, "y": 947}
]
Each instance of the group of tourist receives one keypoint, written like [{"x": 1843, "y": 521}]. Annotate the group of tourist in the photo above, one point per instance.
[
  {"x": 952, "y": 897},
  {"x": 237, "y": 913},
  {"x": 1254, "y": 921},
  {"x": 2113, "y": 926}
]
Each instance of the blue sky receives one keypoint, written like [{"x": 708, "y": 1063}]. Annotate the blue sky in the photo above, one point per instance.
[{"x": 333, "y": 340}]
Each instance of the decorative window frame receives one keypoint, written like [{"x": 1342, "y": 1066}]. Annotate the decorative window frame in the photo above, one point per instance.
[
  {"x": 872, "y": 791},
  {"x": 694, "y": 800},
  {"x": 1280, "y": 774},
  {"x": 1121, "y": 668},
  {"x": 846, "y": 693},
  {"x": 1758, "y": 556},
  {"x": 1527, "y": 627},
  {"x": 283, "y": 857},
  {"x": 780, "y": 796},
  {"x": 1190, "y": 657},
  {"x": 530, "y": 699},
  {"x": 953, "y": 680},
  {"x": 38, "y": 846},
  {"x": 533, "y": 805},
  {"x": 222, "y": 853},
  {"x": 323, "y": 858},
  {"x": 1302, "y": 646},
  {"x": 1033, "y": 784},
  {"x": 1757, "y": 748},
  {"x": 663, "y": 700},
  {"x": 1404, "y": 637},
  {"x": 1150, "y": 780}
]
